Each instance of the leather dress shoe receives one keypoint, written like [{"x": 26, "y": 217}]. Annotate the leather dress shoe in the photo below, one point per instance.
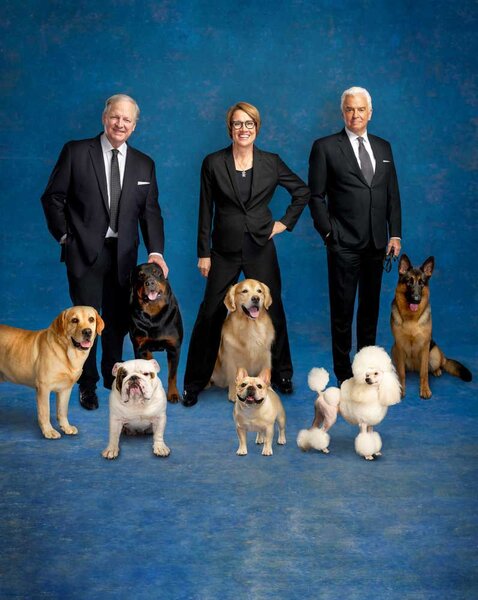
[
  {"x": 189, "y": 398},
  {"x": 284, "y": 385},
  {"x": 88, "y": 398}
]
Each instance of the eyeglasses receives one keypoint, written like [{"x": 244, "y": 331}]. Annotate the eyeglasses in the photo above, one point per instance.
[{"x": 239, "y": 124}]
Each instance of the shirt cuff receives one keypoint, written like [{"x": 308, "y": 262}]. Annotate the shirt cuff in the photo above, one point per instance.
[{"x": 155, "y": 254}]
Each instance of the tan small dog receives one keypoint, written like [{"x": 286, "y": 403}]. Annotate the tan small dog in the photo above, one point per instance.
[
  {"x": 50, "y": 360},
  {"x": 258, "y": 407},
  {"x": 247, "y": 334}
]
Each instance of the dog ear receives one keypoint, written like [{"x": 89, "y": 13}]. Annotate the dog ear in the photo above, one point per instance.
[
  {"x": 389, "y": 391},
  {"x": 100, "y": 324},
  {"x": 229, "y": 299},
  {"x": 428, "y": 266},
  {"x": 59, "y": 323},
  {"x": 116, "y": 367},
  {"x": 241, "y": 374},
  {"x": 267, "y": 296},
  {"x": 155, "y": 365},
  {"x": 265, "y": 375},
  {"x": 404, "y": 264}
]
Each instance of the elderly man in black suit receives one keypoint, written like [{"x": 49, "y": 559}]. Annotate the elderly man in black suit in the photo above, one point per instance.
[
  {"x": 355, "y": 205},
  {"x": 98, "y": 192}
]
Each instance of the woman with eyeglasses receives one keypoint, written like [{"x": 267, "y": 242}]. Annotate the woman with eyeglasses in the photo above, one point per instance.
[{"x": 235, "y": 233}]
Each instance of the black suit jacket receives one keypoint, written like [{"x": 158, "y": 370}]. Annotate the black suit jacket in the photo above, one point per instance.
[
  {"x": 341, "y": 200},
  {"x": 223, "y": 217},
  {"x": 75, "y": 203}
]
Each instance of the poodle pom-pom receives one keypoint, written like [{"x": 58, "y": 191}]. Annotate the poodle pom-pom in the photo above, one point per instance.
[
  {"x": 368, "y": 444},
  {"x": 315, "y": 438},
  {"x": 318, "y": 379}
]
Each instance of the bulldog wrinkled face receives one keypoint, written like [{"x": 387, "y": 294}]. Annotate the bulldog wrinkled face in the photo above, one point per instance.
[
  {"x": 136, "y": 380},
  {"x": 251, "y": 391},
  {"x": 373, "y": 377}
]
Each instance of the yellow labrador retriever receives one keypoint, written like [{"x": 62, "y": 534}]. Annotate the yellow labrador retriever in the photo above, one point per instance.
[
  {"x": 50, "y": 360},
  {"x": 247, "y": 334}
]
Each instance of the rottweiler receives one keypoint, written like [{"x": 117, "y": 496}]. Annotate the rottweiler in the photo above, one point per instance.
[
  {"x": 155, "y": 320},
  {"x": 411, "y": 322}
]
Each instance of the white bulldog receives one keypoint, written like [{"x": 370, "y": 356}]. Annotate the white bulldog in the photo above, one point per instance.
[{"x": 137, "y": 404}]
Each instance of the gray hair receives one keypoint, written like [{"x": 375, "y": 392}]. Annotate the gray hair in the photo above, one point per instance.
[
  {"x": 121, "y": 98},
  {"x": 355, "y": 91}
]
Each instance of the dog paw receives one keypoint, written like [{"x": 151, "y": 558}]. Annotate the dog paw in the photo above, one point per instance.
[
  {"x": 161, "y": 450},
  {"x": 371, "y": 457},
  {"x": 259, "y": 438},
  {"x": 437, "y": 373},
  {"x": 51, "y": 434},
  {"x": 241, "y": 451},
  {"x": 281, "y": 440},
  {"x": 110, "y": 453},
  {"x": 69, "y": 429},
  {"x": 267, "y": 452},
  {"x": 173, "y": 396},
  {"x": 425, "y": 393}
]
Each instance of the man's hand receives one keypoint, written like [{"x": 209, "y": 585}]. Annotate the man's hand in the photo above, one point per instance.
[
  {"x": 278, "y": 228},
  {"x": 204, "y": 266},
  {"x": 394, "y": 247},
  {"x": 159, "y": 260}
]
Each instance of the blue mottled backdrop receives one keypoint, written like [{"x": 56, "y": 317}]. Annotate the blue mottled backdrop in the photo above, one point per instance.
[{"x": 186, "y": 62}]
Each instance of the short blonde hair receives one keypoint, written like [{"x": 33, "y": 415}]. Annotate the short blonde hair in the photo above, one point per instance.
[
  {"x": 251, "y": 110},
  {"x": 121, "y": 98}
]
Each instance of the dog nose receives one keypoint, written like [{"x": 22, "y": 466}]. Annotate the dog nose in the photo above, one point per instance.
[
  {"x": 86, "y": 333},
  {"x": 149, "y": 283},
  {"x": 255, "y": 299},
  {"x": 368, "y": 380},
  {"x": 134, "y": 378},
  {"x": 250, "y": 390}
]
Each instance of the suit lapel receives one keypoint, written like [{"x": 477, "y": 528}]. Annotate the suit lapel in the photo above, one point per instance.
[
  {"x": 96, "y": 154},
  {"x": 348, "y": 152},
  {"x": 129, "y": 182},
  {"x": 257, "y": 170},
  {"x": 231, "y": 169}
]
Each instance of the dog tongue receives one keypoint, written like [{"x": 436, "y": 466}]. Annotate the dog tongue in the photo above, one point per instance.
[
  {"x": 152, "y": 296},
  {"x": 413, "y": 307},
  {"x": 254, "y": 311},
  {"x": 85, "y": 344}
]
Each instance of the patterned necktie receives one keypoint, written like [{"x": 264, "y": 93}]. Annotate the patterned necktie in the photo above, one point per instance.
[
  {"x": 365, "y": 162},
  {"x": 115, "y": 191}
]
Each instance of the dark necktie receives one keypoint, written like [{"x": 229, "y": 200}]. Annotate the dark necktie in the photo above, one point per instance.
[
  {"x": 115, "y": 191},
  {"x": 365, "y": 162}
]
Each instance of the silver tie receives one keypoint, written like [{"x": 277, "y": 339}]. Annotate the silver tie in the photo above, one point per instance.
[{"x": 365, "y": 162}]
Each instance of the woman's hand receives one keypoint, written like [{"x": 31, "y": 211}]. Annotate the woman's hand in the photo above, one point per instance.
[
  {"x": 204, "y": 266},
  {"x": 278, "y": 228}
]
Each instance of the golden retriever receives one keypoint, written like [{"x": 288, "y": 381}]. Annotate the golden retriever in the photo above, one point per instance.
[
  {"x": 50, "y": 360},
  {"x": 247, "y": 334}
]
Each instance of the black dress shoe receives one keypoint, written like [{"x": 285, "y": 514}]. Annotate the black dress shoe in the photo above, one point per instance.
[
  {"x": 88, "y": 398},
  {"x": 189, "y": 398},
  {"x": 284, "y": 385}
]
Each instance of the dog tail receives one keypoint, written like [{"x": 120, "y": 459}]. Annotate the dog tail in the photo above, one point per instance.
[
  {"x": 457, "y": 369},
  {"x": 318, "y": 379}
]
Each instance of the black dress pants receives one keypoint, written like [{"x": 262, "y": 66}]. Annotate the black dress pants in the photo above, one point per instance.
[
  {"x": 349, "y": 269},
  {"x": 256, "y": 262},
  {"x": 99, "y": 288}
]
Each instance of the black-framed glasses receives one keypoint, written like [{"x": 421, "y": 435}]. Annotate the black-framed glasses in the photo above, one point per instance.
[{"x": 239, "y": 124}]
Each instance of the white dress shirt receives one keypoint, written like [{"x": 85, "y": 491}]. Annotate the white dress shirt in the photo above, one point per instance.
[
  {"x": 353, "y": 137},
  {"x": 107, "y": 156}
]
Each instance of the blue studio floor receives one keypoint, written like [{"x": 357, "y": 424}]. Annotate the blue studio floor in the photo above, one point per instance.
[{"x": 207, "y": 524}]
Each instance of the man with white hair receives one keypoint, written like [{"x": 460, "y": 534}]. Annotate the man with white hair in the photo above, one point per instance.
[
  {"x": 355, "y": 206},
  {"x": 99, "y": 191}
]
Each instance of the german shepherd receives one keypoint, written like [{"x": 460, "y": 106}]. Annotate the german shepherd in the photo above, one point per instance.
[{"x": 411, "y": 322}]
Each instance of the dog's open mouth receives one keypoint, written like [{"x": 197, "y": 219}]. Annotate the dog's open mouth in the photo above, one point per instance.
[
  {"x": 83, "y": 345},
  {"x": 250, "y": 399},
  {"x": 151, "y": 296},
  {"x": 252, "y": 312}
]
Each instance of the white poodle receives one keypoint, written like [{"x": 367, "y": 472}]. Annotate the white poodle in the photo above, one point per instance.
[{"x": 362, "y": 400}]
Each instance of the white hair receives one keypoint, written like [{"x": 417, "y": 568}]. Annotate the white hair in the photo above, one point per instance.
[
  {"x": 356, "y": 91},
  {"x": 121, "y": 98}
]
